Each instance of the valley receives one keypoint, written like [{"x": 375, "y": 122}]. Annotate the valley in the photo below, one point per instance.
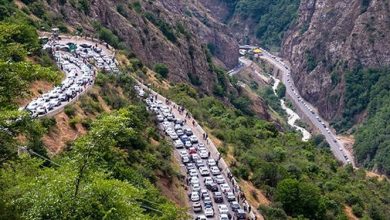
[{"x": 152, "y": 110}]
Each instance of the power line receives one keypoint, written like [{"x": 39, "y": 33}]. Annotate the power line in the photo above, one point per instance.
[{"x": 45, "y": 158}]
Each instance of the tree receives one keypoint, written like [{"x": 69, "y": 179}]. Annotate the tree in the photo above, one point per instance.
[
  {"x": 161, "y": 69},
  {"x": 299, "y": 198}
]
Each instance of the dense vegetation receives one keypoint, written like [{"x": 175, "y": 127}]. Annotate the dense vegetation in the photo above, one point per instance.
[
  {"x": 272, "y": 18},
  {"x": 106, "y": 174},
  {"x": 301, "y": 179},
  {"x": 368, "y": 90}
]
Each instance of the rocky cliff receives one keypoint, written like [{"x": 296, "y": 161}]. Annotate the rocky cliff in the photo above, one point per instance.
[
  {"x": 331, "y": 38},
  {"x": 173, "y": 32}
]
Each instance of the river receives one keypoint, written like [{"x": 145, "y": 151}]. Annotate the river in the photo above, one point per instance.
[{"x": 292, "y": 116}]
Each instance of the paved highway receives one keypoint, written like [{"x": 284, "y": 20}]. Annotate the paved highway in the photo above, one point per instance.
[
  {"x": 214, "y": 154},
  {"x": 308, "y": 110}
]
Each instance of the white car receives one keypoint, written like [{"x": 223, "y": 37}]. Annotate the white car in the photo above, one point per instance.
[
  {"x": 223, "y": 209},
  {"x": 194, "y": 197},
  {"x": 204, "y": 154},
  {"x": 209, "y": 212},
  {"x": 194, "y": 180},
  {"x": 219, "y": 179},
  {"x": 193, "y": 172},
  {"x": 204, "y": 171},
  {"x": 215, "y": 170},
  {"x": 208, "y": 180},
  {"x": 178, "y": 144},
  {"x": 183, "y": 153},
  {"x": 211, "y": 162},
  {"x": 225, "y": 188},
  {"x": 223, "y": 217},
  {"x": 160, "y": 118},
  {"x": 195, "y": 187}
]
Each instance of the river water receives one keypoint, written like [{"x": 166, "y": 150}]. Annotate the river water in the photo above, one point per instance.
[{"x": 292, "y": 116}]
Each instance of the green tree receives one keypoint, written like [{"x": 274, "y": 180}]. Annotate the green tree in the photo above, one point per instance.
[
  {"x": 161, "y": 69},
  {"x": 299, "y": 198}
]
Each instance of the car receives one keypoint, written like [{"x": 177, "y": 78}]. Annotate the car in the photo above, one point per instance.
[
  {"x": 63, "y": 97},
  {"x": 207, "y": 202},
  {"x": 188, "y": 131},
  {"x": 204, "y": 193},
  {"x": 223, "y": 209},
  {"x": 178, "y": 144},
  {"x": 190, "y": 166},
  {"x": 223, "y": 217},
  {"x": 209, "y": 212},
  {"x": 194, "y": 196},
  {"x": 188, "y": 144},
  {"x": 193, "y": 139},
  {"x": 193, "y": 172},
  {"x": 173, "y": 136},
  {"x": 204, "y": 171},
  {"x": 201, "y": 217},
  {"x": 183, "y": 153},
  {"x": 225, "y": 188},
  {"x": 41, "y": 111},
  {"x": 234, "y": 206},
  {"x": 213, "y": 187},
  {"x": 200, "y": 163},
  {"x": 184, "y": 138},
  {"x": 185, "y": 159},
  {"x": 219, "y": 179},
  {"x": 160, "y": 118},
  {"x": 194, "y": 180},
  {"x": 179, "y": 132},
  {"x": 195, "y": 187},
  {"x": 218, "y": 197},
  {"x": 197, "y": 207},
  {"x": 177, "y": 127},
  {"x": 215, "y": 170},
  {"x": 240, "y": 214},
  {"x": 179, "y": 122},
  {"x": 192, "y": 150},
  {"x": 208, "y": 180},
  {"x": 230, "y": 196},
  {"x": 203, "y": 154},
  {"x": 211, "y": 162}
]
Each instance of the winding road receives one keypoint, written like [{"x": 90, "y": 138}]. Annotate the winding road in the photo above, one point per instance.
[{"x": 337, "y": 148}]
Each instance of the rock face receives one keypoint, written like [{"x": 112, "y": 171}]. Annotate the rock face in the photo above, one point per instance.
[
  {"x": 143, "y": 27},
  {"x": 332, "y": 37}
]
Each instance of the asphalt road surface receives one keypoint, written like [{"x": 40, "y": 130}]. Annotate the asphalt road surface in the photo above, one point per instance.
[
  {"x": 198, "y": 132},
  {"x": 337, "y": 148}
]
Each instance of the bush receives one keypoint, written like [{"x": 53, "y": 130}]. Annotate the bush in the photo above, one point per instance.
[
  {"x": 120, "y": 8},
  {"x": 357, "y": 210},
  {"x": 48, "y": 123},
  {"x": 161, "y": 69},
  {"x": 69, "y": 110}
]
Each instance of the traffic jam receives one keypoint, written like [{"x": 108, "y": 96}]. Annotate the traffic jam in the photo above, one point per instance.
[
  {"x": 211, "y": 194},
  {"x": 79, "y": 63}
]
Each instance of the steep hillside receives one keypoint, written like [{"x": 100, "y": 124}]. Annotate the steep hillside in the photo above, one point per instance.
[
  {"x": 171, "y": 32},
  {"x": 332, "y": 38},
  {"x": 254, "y": 21},
  {"x": 339, "y": 51}
]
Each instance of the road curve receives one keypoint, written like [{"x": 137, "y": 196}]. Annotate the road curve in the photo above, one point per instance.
[{"x": 336, "y": 146}]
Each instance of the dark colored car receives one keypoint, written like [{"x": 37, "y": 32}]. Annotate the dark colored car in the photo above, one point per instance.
[
  {"x": 218, "y": 198},
  {"x": 213, "y": 187},
  {"x": 240, "y": 214}
]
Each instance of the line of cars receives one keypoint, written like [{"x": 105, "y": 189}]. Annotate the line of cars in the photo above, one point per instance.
[
  {"x": 307, "y": 106},
  {"x": 79, "y": 73},
  {"x": 209, "y": 192}
]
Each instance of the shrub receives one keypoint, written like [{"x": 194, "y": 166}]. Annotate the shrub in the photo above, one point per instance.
[
  {"x": 161, "y": 69},
  {"x": 120, "y": 8},
  {"x": 69, "y": 110},
  {"x": 48, "y": 123}
]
